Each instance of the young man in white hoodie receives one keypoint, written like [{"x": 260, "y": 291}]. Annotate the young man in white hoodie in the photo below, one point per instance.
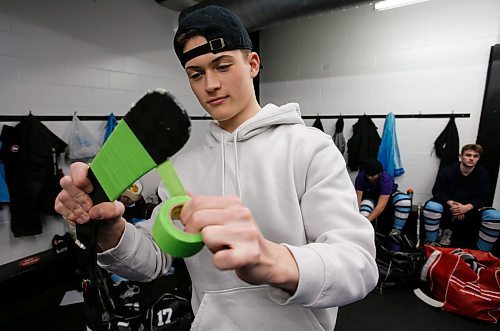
[{"x": 284, "y": 242}]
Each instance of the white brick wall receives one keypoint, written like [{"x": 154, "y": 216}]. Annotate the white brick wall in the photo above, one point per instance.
[
  {"x": 97, "y": 57},
  {"x": 429, "y": 58},
  {"x": 92, "y": 57}
]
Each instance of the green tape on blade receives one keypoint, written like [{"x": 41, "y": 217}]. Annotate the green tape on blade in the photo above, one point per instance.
[
  {"x": 169, "y": 238},
  {"x": 121, "y": 161}
]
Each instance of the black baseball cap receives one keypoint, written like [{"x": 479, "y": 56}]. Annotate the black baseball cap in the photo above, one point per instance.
[{"x": 222, "y": 28}]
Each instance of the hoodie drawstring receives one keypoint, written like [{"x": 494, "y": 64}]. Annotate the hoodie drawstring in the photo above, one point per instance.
[
  {"x": 237, "y": 167},
  {"x": 223, "y": 163},
  {"x": 223, "y": 157}
]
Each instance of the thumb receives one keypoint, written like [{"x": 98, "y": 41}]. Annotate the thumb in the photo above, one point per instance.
[{"x": 107, "y": 211}]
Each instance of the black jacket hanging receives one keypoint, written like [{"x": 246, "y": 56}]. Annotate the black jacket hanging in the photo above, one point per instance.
[
  {"x": 338, "y": 135},
  {"x": 447, "y": 144},
  {"x": 317, "y": 123},
  {"x": 364, "y": 143},
  {"x": 29, "y": 152}
]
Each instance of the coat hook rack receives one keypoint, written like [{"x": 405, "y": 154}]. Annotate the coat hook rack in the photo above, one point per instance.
[
  {"x": 417, "y": 115},
  {"x": 62, "y": 118}
]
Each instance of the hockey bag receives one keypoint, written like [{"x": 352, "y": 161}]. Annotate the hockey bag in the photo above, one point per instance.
[
  {"x": 397, "y": 267},
  {"x": 169, "y": 312},
  {"x": 466, "y": 281}
]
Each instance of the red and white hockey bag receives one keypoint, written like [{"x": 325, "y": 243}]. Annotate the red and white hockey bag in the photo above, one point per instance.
[{"x": 466, "y": 281}]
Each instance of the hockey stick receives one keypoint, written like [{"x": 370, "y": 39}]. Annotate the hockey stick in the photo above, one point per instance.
[
  {"x": 419, "y": 210},
  {"x": 154, "y": 129},
  {"x": 427, "y": 299}
]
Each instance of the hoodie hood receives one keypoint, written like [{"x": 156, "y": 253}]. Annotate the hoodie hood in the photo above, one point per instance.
[{"x": 269, "y": 116}]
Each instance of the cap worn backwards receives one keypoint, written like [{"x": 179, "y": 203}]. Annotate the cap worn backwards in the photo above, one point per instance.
[
  {"x": 134, "y": 191},
  {"x": 222, "y": 28}
]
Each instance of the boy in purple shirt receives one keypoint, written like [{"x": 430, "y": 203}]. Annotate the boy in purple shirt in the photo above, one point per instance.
[{"x": 375, "y": 189}]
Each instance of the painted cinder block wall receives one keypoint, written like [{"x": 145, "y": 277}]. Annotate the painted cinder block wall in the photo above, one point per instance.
[
  {"x": 89, "y": 57},
  {"x": 426, "y": 58},
  {"x": 96, "y": 57}
]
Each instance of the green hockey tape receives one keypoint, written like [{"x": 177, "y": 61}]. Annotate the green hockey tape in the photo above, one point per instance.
[
  {"x": 168, "y": 237},
  {"x": 122, "y": 148}
]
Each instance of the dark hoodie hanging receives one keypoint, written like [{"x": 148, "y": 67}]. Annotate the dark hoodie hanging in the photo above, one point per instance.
[
  {"x": 317, "y": 123},
  {"x": 29, "y": 152},
  {"x": 447, "y": 144},
  {"x": 338, "y": 135},
  {"x": 364, "y": 143}
]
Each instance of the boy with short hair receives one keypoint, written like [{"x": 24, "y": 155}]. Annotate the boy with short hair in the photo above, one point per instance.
[
  {"x": 284, "y": 243},
  {"x": 459, "y": 205},
  {"x": 376, "y": 190}
]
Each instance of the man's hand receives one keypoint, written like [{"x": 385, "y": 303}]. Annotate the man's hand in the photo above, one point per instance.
[
  {"x": 379, "y": 207},
  {"x": 231, "y": 233},
  {"x": 458, "y": 210},
  {"x": 74, "y": 204}
]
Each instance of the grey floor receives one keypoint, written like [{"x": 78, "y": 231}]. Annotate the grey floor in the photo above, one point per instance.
[
  {"x": 399, "y": 309},
  {"x": 30, "y": 301},
  {"x": 396, "y": 309}
]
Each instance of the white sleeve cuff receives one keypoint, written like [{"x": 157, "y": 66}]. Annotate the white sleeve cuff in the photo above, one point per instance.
[
  {"x": 119, "y": 253},
  {"x": 311, "y": 279}
]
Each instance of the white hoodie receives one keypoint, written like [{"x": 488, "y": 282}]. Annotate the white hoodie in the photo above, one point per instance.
[{"x": 295, "y": 182}]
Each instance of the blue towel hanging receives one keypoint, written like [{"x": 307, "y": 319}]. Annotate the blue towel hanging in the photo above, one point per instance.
[
  {"x": 110, "y": 126},
  {"x": 388, "y": 153}
]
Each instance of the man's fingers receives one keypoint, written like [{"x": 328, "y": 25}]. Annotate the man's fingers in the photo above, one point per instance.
[
  {"x": 105, "y": 211},
  {"x": 202, "y": 218},
  {"x": 79, "y": 174},
  {"x": 69, "y": 202},
  {"x": 219, "y": 237},
  {"x": 74, "y": 193},
  {"x": 66, "y": 213},
  {"x": 243, "y": 255},
  {"x": 74, "y": 202},
  {"x": 207, "y": 202},
  {"x": 70, "y": 209},
  {"x": 230, "y": 259},
  {"x": 225, "y": 257},
  {"x": 215, "y": 238}
]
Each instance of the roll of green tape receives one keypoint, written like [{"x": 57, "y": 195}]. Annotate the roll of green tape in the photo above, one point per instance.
[{"x": 169, "y": 238}]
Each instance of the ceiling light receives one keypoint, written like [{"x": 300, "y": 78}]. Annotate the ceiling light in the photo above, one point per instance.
[{"x": 391, "y": 4}]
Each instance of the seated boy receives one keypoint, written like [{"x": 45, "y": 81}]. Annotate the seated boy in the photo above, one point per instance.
[
  {"x": 459, "y": 205},
  {"x": 376, "y": 190}
]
